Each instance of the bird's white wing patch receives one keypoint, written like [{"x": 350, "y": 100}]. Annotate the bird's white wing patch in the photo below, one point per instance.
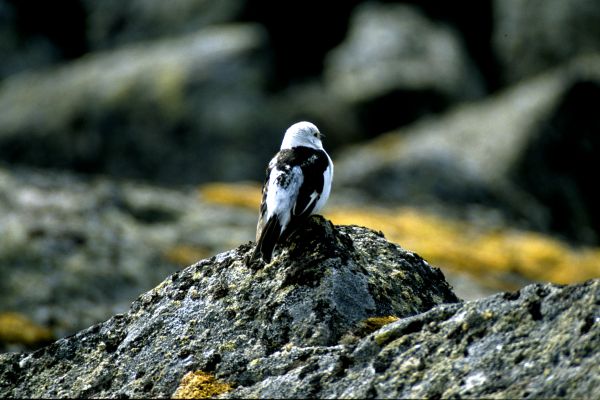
[{"x": 284, "y": 185}]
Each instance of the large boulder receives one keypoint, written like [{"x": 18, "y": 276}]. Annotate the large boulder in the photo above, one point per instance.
[
  {"x": 75, "y": 251},
  {"x": 396, "y": 65},
  {"x": 113, "y": 23},
  {"x": 184, "y": 109},
  {"x": 539, "y": 342},
  {"x": 224, "y": 316},
  {"x": 524, "y": 154},
  {"x": 340, "y": 313},
  {"x": 38, "y": 35}
]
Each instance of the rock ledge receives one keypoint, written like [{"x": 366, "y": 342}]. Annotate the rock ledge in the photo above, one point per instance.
[{"x": 340, "y": 312}]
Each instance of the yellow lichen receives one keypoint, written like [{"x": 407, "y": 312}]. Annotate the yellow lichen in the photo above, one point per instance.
[
  {"x": 242, "y": 194},
  {"x": 185, "y": 255},
  {"x": 200, "y": 385},
  {"x": 447, "y": 243},
  {"x": 374, "y": 323},
  {"x": 16, "y": 328},
  {"x": 368, "y": 326},
  {"x": 383, "y": 338},
  {"x": 487, "y": 314},
  {"x": 457, "y": 245}
]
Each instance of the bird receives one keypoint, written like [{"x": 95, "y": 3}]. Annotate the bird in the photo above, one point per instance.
[{"x": 297, "y": 185}]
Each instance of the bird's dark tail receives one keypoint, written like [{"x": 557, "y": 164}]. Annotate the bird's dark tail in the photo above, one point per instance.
[{"x": 268, "y": 239}]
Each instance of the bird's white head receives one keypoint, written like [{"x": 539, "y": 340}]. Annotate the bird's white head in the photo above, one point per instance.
[{"x": 302, "y": 134}]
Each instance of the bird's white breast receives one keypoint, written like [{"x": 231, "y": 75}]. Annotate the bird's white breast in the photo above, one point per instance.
[{"x": 327, "y": 179}]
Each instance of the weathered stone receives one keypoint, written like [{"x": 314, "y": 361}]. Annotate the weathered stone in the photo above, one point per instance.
[
  {"x": 262, "y": 337},
  {"x": 540, "y": 342},
  {"x": 224, "y": 318},
  {"x": 183, "y": 109},
  {"x": 113, "y": 23},
  {"x": 396, "y": 65},
  {"x": 75, "y": 251},
  {"x": 492, "y": 155}
]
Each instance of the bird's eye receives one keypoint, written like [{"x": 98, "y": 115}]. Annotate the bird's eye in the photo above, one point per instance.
[{"x": 316, "y": 134}]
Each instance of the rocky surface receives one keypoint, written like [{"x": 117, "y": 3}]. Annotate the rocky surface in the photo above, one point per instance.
[
  {"x": 183, "y": 94},
  {"x": 112, "y": 24},
  {"x": 224, "y": 317},
  {"x": 36, "y": 36},
  {"x": 396, "y": 58},
  {"x": 173, "y": 110},
  {"x": 75, "y": 251},
  {"x": 310, "y": 325},
  {"x": 494, "y": 155},
  {"x": 201, "y": 91},
  {"x": 539, "y": 342},
  {"x": 186, "y": 93}
]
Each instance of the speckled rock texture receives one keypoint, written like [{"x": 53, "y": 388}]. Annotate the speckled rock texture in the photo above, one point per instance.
[
  {"x": 243, "y": 323},
  {"x": 303, "y": 326},
  {"x": 75, "y": 251},
  {"x": 540, "y": 342}
]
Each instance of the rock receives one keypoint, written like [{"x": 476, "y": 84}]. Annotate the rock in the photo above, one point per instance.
[
  {"x": 35, "y": 36},
  {"x": 184, "y": 109},
  {"x": 224, "y": 318},
  {"x": 477, "y": 157},
  {"x": 112, "y": 24},
  {"x": 539, "y": 342},
  {"x": 532, "y": 36},
  {"x": 396, "y": 65},
  {"x": 75, "y": 251},
  {"x": 340, "y": 313},
  {"x": 556, "y": 164}
]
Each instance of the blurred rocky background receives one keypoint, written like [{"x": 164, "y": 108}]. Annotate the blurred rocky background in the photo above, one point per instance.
[{"x": 134, "y": 137}]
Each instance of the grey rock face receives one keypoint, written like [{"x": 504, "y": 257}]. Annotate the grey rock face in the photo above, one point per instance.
[
  {"x": 35, "y": 36},
  {"x": 495, "y": 154},
  {"x": 396, "y": 61},
  {"x": 75, "y": 251},
  {"x": 182, "y": 109},
  {"x": 540, "y": 342},
  {"x": 113, "y": 23},
  {"x": 223, "y": 317},
  {"x": 289, "y": 330}
]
